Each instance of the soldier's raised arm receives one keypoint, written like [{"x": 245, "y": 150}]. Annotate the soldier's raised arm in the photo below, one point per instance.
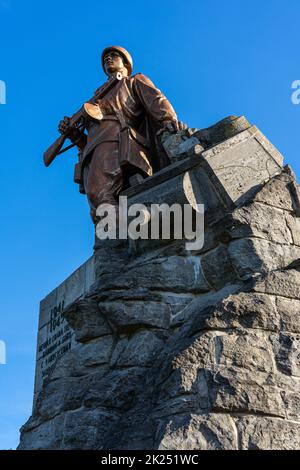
[{"x": 156, "y": 104}]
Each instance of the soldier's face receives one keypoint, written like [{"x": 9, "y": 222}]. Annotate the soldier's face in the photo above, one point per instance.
[{"x": 113, "y": 62}]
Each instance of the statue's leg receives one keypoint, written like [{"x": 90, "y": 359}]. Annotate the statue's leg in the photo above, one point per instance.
[
  {"x": 103, "y": 178},
  {"x": 86, "y": 170}
]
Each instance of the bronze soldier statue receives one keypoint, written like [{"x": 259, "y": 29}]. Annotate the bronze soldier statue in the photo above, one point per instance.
[{"x": 123, "y": 123}]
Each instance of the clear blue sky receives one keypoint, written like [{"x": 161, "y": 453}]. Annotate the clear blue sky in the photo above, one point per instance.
[{"x": 212, "y": 58}]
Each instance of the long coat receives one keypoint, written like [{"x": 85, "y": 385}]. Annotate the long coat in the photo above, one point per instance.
[{"x": 133, "y": 112}]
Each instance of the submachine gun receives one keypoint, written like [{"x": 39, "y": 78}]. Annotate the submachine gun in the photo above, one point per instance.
[{"x": 89, "y": 109}]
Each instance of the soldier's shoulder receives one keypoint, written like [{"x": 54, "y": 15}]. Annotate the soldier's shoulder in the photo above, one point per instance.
[{"x": 141, "y": 78}]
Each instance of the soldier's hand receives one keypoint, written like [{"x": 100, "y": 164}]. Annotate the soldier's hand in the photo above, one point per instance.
[
  {"x": 64, "y": 125},
  {"x": 181, "y": 125},
  {"x": 175, "y": 126}
]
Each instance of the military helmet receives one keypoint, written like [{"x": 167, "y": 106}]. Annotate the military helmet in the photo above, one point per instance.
[{"x": 128, "y": 62}]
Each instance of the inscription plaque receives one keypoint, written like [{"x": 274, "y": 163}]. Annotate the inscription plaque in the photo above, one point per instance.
[{"x": 55, "y": 336}]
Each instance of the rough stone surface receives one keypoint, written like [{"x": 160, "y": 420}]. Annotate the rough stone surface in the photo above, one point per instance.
[
  {"x": 181, "y": 145},
  {"x": 222, "y": 130},
  {"x": 83, "y": 316},
  {"x": 259, "y": 433},
  {"x": 197, "y": 432},
  {"x": 128, "y": 316},
  {"x": 256, "y": 160},
  {"x": 179, "y": 349}
]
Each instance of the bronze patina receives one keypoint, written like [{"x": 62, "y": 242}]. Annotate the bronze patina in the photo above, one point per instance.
[{"x": 117, "y": 131}]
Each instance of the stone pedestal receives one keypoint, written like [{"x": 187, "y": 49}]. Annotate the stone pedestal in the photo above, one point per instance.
[{"x": 178, "y": 349}]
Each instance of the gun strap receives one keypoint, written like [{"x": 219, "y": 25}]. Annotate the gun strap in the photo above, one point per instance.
[{"x": 108, "y": 85}]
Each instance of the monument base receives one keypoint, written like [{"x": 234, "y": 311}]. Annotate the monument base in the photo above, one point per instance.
[{"x": 179, "y": 349}]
